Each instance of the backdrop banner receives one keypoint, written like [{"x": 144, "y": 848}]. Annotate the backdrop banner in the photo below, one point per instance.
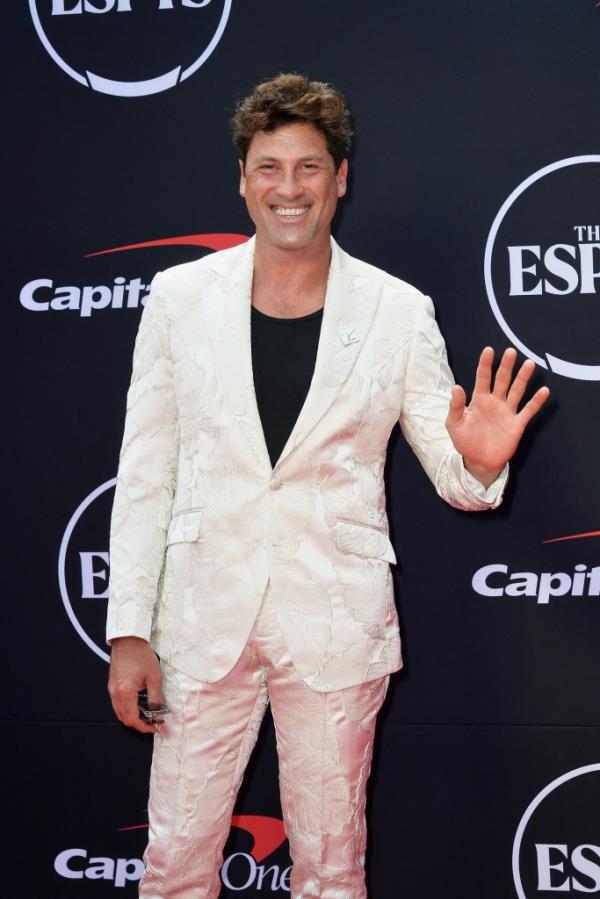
[{"x": 475, "y": 176}]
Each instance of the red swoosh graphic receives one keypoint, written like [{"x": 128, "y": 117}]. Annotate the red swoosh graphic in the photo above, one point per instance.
[
  {"x": 268, "y": 833},
  {"x": 573, "y": 536},
  {"x": 210, "y": 241}
]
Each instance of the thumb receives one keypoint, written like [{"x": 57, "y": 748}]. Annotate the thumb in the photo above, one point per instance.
[{"x": 456, "y": 410}]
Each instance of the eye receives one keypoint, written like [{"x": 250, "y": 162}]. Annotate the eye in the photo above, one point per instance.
[{"x": 267, "y": 167}]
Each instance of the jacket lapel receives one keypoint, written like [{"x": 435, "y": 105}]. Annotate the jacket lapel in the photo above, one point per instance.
[
  {"x": 227, "y": 314},
  {"x": 350, "y": 305}
]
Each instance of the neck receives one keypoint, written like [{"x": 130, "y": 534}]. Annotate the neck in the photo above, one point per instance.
[{"x": 290, "y": 283}]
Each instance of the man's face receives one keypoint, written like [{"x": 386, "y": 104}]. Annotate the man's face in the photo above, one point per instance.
[{"x": 291, "y": 187}]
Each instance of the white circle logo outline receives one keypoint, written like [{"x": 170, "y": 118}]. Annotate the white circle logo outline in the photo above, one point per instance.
[
  {"x": 564, "y": 778},
  {"x": 558, "y": 366},
  {"x": 130, "y": 88},
  {"x": 62, "y": 555}
]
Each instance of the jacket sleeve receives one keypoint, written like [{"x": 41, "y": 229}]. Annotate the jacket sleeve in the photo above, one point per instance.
[
  {"x": 146, "y": 478},
  {"x": 428, "y": 387}
]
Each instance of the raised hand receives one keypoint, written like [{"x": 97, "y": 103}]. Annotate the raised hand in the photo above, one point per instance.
[{"x": 487, "y": 431}]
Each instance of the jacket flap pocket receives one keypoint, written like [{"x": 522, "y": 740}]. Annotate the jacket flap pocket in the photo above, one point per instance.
[
  {"x": 184, "y": 527},
  {"x": 363, "y": 540}
]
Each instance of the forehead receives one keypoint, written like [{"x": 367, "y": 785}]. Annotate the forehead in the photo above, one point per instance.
[{"x": 298, "y": 139}]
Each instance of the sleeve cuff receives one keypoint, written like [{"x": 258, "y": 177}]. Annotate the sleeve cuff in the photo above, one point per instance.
[{"x": 491, "y": 495}]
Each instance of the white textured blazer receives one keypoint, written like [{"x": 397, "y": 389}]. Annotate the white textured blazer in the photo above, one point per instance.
[{"x": 201, "y": 521}]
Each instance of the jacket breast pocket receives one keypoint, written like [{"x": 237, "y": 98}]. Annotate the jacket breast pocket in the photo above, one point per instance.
[
  {"x": 185, "y": 527},
  {"x": 363, "y": 540}
]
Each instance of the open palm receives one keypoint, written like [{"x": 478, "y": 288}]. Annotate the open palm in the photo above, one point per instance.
[{"x": 488, "y": 430}]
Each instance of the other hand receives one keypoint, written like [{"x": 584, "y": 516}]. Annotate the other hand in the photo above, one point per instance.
[{"x": 133, "y": 667}]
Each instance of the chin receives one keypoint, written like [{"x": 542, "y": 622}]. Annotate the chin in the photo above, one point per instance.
[{"x": 291, "y": 241}]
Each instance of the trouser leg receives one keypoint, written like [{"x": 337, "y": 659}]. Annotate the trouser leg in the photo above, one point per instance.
[
  {"x": 325, "y": 747},
  {"x": 199, "y": 758}
]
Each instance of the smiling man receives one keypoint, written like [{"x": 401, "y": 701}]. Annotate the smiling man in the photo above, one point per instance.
[
  {"x": 249, "y": 538},
  {"x": 291, "y": 185}
]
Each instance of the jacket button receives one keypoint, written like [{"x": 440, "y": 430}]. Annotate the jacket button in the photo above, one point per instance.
[{"x": 275, "y": 485}]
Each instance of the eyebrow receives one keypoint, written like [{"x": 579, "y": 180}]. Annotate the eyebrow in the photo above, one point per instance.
[{"x": 313, "y": 157}]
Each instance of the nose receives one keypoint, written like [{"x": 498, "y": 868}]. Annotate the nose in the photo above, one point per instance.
[{"x": 289, "y": 186}]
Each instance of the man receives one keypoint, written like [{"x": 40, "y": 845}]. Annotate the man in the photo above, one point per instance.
[{"x": 249, "y": 540}]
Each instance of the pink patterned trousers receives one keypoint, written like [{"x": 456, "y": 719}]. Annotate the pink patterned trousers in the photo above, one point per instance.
[{"x": 324, "y": 745}]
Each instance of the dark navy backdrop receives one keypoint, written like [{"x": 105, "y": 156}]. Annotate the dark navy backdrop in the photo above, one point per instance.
[{"x": 454, "y": 105}]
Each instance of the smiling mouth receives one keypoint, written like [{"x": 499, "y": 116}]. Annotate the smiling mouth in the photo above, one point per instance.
[{"x": 289, "y": 212}]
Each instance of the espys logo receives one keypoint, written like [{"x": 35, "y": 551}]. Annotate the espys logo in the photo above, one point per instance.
[
  {"x": 542, "y": 267},
  {"x": 553, "y": 850},
  {"x": 110, "y": 291},
  {"x": 130, "y": 48},
  {"x": 579, "y": 579},
  {"x": 240, "y": 871},
  {"x": 83, "y": 567}
]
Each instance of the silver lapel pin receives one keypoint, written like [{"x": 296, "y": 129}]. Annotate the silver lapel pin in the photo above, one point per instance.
[{"x": 348, "y": 335}]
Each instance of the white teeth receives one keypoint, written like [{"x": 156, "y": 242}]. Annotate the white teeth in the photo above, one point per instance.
[{"x": 290, "y": 213}]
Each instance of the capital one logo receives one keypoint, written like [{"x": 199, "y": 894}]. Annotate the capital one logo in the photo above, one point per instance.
[
  {"x": 556, "y": 844},
  {"x": 241, "y": 871},
  {"x": 130, "y": 48},
  {"x": 244, "y": 870},
  {"x": 569, "y": 578},
  {"x": 542, "y": 267},
  {"x": 109, "y": 291}
]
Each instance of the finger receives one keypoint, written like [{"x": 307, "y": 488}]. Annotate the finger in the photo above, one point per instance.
[
  {"x": 519, "y": 385},
  {"x": 154, "y": 687},
  {"x": 133, "y": 719},
  {"x": 456, "y": 410},
  {"x": 129, "y": 715},
  {"x": 483, "y": 375},
  {"x": 125, "y": 704},
  {"x": 504, "y": 373},
  {"x": 534, "y": 405},
  {"x": 155, "y": 694}
]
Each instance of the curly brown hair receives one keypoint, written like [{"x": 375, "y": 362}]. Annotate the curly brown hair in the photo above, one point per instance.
[{"x": 288, "y": 98}]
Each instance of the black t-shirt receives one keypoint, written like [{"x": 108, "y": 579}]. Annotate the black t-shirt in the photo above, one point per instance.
[{"x": 284, "y": 351}]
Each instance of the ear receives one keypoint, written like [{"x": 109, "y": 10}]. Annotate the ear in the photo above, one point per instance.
[
  {"x": 242, "y": 178},
  {"x": 342, "y": 178}
]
